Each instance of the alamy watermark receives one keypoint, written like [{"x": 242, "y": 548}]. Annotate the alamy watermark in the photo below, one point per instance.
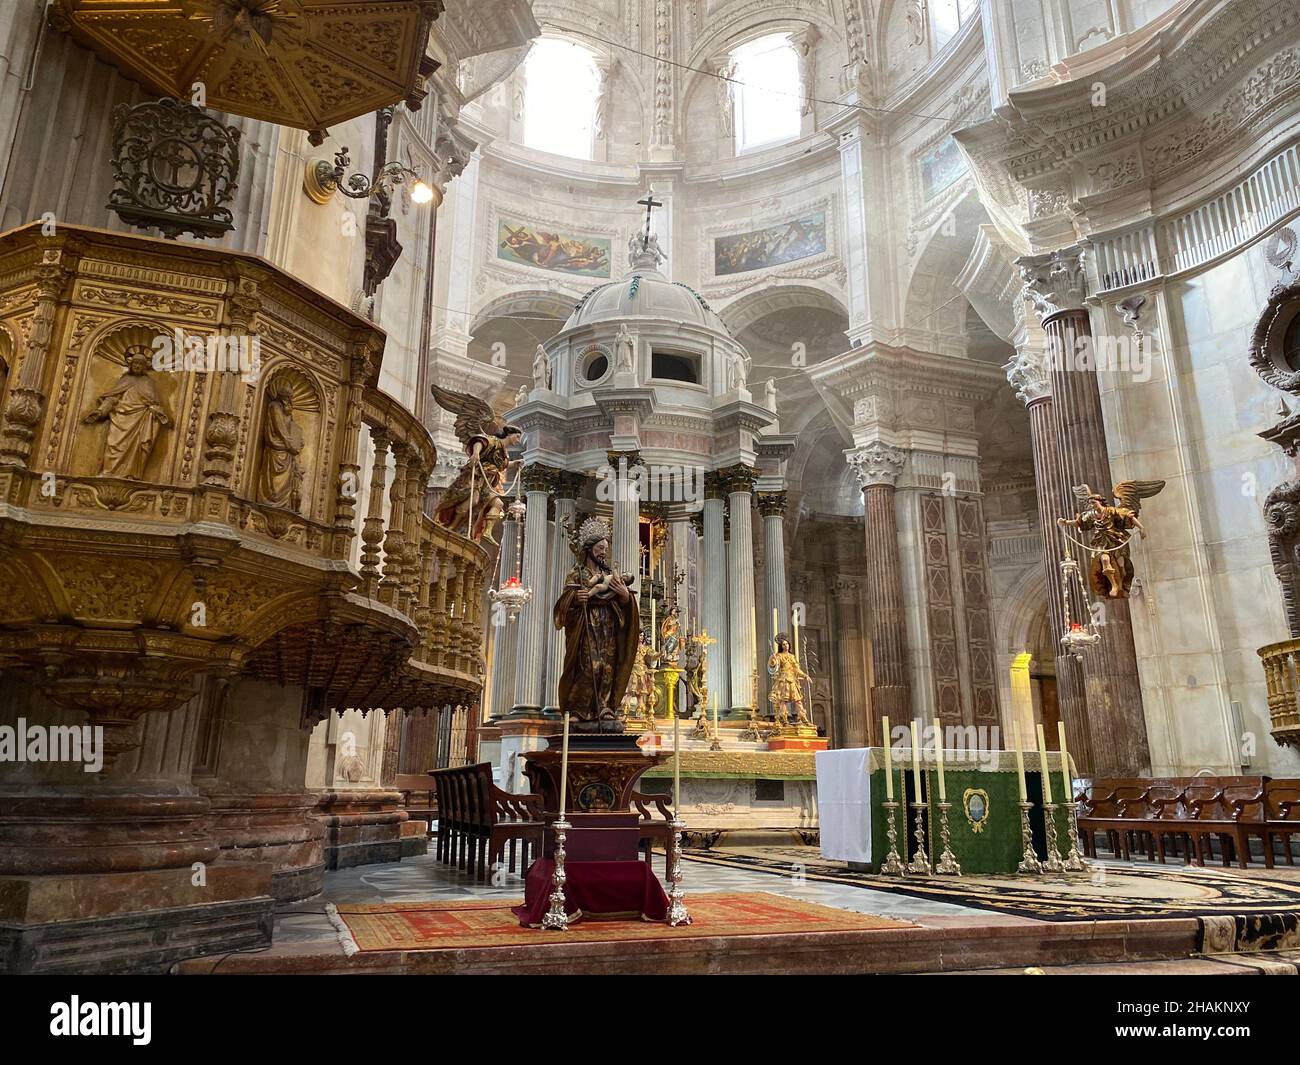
[
  {"x": 53, "y": 743},
  {"x": 207, "y": 353},
  {"x": 1088, "y": 354}
]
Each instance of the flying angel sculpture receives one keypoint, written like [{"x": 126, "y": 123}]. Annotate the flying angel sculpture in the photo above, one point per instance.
[{"x": 472, "y": 501}]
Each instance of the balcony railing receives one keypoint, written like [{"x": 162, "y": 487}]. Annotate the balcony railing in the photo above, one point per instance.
[{"x": 1282, "y": 674}]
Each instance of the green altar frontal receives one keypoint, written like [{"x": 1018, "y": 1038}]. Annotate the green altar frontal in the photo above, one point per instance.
[{"x": 984, "y": 819}]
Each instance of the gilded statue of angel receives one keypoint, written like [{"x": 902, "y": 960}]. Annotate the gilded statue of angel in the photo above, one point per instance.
[
  {"x": 1109, "y": 528},
  {"x": 473, "y": 500}
]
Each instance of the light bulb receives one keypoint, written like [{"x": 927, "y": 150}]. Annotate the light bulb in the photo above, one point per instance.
[{"x": 421, "y": 193}]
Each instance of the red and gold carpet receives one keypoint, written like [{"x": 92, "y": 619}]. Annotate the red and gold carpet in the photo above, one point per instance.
[{"x": 457, "y": 925}]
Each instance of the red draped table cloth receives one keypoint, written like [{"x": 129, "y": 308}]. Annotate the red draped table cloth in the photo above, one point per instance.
[{"x": 594, "y": 889}]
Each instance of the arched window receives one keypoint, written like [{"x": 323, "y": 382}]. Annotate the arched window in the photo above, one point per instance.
[
  {"x": 949, "y": 16},
  {"x": 561, "y": 84},
  {"x": 768, "y": 92}
]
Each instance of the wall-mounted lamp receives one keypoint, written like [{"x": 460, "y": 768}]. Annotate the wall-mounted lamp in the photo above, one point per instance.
[{"x": 322, "y": 180}]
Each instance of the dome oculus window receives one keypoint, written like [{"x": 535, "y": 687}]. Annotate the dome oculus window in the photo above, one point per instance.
[
  {"x": 767, "y": 92},
  {"x": 561, "y": 84},
  {"x": 593, "y": 366}
]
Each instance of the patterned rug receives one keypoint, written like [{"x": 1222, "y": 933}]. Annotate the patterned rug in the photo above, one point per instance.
[
  {"x": 1106, "y": 893},
  {"x": 453, "y": 925}
]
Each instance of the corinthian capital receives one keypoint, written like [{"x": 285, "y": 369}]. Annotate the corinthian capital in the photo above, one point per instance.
[
  {"x": 1055, "y": 282},
  {"x": 876, "y": 463},
  {"x": 1027, "y": 375}
]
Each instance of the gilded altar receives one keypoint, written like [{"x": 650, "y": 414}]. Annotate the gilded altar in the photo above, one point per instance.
[{"x": 200, "y": 475}]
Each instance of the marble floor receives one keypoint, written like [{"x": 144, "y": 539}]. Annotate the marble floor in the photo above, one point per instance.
[{"x": 423, "y": 878}]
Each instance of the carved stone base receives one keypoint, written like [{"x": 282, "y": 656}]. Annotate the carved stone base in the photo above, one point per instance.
[
  {"x": 132, "y": 922},
  {"x": 282, "y": 829},
  {"x": 362, "y": 826}
]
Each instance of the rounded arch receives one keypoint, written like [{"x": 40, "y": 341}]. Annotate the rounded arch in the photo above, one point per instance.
[
  {"x": 1022, "y": 623},
  {"x": 778, "y": 295},
  {"x": 934, "y": 307},
  {"x": 542, "y": 303}
]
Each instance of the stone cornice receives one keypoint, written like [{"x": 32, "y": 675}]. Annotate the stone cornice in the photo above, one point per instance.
[
  {"x": 873, "y": 367},
  {"x": 1180, "y": 104}
]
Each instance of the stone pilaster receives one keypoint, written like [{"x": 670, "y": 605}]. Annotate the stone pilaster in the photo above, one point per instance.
[
  {"x": 878, "y": 466},
  {"x": 1027, "y": 373},
  {"x": 1113, "y": 691},
  {"x": 713, "y": 584},
  {"x": 738, "y": 482},
  {"x": 530, "y": 670}
]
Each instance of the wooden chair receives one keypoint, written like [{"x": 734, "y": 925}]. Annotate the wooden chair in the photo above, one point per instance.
[
  {"x": 652, "y": 827},
  {"x": 1281, "y": 819}
]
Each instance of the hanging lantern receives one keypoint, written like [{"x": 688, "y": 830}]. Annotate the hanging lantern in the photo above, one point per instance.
[
  {"x": 1075, "y": 635},
  {"x": 512, "y": 595}
]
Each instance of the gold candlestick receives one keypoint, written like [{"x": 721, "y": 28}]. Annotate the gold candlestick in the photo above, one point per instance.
[
  {"x": 920, "y": 863},
  {"x": 1029, "y": 862},
  {"x": 1053, "y": 863},
  {"x": 947, "y": 864},
  {"x": 893, "y": 863}
]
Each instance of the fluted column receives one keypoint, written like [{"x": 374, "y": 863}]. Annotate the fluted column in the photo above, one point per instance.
[
  {"x": 739, "y": 484},
  {"x": 568, "y": 486},
  {"x": 771, "y": 505},
  {"x": 626, "y": 544},
  {"x": 1112, "y": 688},
  {"x": 713, "y": 582},
  {"x": 852, "y": 723},
  {"x": 504, "y": 633},
  {"x": 530, "y": 667},
  {"x": 878, "y": 466},
  {"x": 1028, "y": 375}
]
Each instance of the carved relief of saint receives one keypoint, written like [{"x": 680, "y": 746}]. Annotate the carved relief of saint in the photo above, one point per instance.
[
  {"x": 134, "y": 414},
  {"x": 279, "y": 473}
]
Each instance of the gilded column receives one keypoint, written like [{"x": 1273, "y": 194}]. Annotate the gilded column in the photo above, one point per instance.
[
  {"x": 530, "y": 673},
  {"x": 1112, "y": 689},
  {"x": 878, "y": 467},
  {"x": 738, "y": 481},
  {"x": 713, "y": 603},
  {"x": 1028, "y": 375}
]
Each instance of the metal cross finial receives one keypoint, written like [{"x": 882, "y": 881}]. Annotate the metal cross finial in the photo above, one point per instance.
[{"x": 650, "y": 204}]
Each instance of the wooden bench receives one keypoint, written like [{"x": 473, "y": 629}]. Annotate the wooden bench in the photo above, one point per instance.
[
  {"x": 478, "y": 821},
  {"x": 1191, "y": 814}
]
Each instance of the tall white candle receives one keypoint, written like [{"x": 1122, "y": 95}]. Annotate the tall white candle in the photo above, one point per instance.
[
  {"x": 654, "y": 635},
  {"x": 916, "y": 762},
  {"x": 715, "y": 715},
  {"x": 938, "y": 759},
  {"x": 677, "y": 766},
  {"x": 1020, "y": 761},
  {"x": 889, "y": 762},
  {"x": 564, "y": 767},
  {"x": 1066, "y": 782},
  {"x": 1042, "y": 767}
]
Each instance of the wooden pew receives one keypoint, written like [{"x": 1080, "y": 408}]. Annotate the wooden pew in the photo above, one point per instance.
[
  {"x": 419, "y": 797},
  {"x": 479, "y": 821}
]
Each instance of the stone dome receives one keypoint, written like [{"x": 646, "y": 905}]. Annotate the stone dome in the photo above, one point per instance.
[{"x": 644, "y": 294}]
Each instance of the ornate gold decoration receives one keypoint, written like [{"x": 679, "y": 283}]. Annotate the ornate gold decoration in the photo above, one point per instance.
[
  {"x": 167, "y": 552},
  {"x": 293, "y": 62},
  {"x": 978, "y": 818}
]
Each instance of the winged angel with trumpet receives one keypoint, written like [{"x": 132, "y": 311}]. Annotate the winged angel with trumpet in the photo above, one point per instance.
[
  {"x": 1109, "y": 529},
  {"x": 473, "y": 500}
]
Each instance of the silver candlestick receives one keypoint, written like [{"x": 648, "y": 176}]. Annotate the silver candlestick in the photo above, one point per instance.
[
  {"x": 1053, "y": 863},
  {"x": 557, "y": 917},
  {"x": 947, "y": 864},
  {"x": 1029, "y": 862},
  {"x": 920, "y": 864},
  {"x": 1074, "y": 863},
  {"x": 893, "y": 864},
  {"x": 677, "y": 912}
]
